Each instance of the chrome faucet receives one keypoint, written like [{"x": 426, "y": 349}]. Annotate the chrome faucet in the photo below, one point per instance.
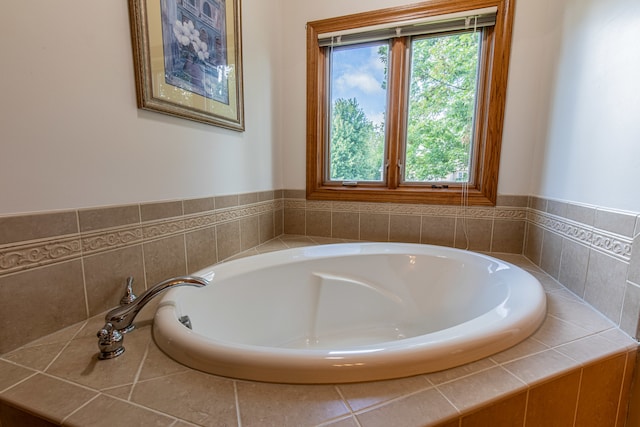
[{"x": 119, "y": 320}]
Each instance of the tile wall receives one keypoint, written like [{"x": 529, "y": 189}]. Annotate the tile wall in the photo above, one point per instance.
[
  {"x": 62, "y": 267},
  {"x": 59, "y": 268}
]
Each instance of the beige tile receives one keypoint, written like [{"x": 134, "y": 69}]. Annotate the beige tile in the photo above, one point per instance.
[
  {"x": 405, "y": 228},
  {"x": 615, "y": 222},
  {"x": 551, "y": 253},
  {"x": 452, "y": 374},
  {"x": 553, "y": 403},
  {"x": 294, "y": 221},
  {"x": 35, "y": 357},
  {"x": 364, "y": 395},
  {"x": 566, "y": 306},
  {"x": 525, "y": 348},
  {"x": 438, "y": 231},
  {"x": 297, "y": 241},
  {"x": 229, "y": 201},
  {"x": 267, "y": 227},
  {"x": 548, "y": 283},
  {"x": 631, "y": 310},
  {"x": 555, "y": 332},
  {"x": 538, "y": 203},
  {"x": 201, "y": 249},
  {"x": 278, "y": 222},
  {"x": 120, "y": 392},
  {"x": 11, "y": 416},
  {"x": 193, "y": 206},
  {"x": 48, "y": 397},
  {"x": 34, "y": 300},
  {"x": 599, "y": 393},
  {"x": 271, "y": 246},
  {"x": 114, "y": 412},
  {"x": 557, "y": 208},
  {"x": 249, "y": 233},
  {"x": 508, "y": 236},
  {"x": 79, "y": 362},
  {"x": 10, "y": 374},
  {"x": 374, "y": 227},
  {"x": 294, "y": 194},
  {"x": 107, "y": 217},
  {"x": 345, "y": 225},
  {"x": 478, "y": 232},
  {"x": 426, "y": 408},
  {"x": 634, "y": 264},
  {"x": 318, "y": 223},
  {"x": 469, "y": 392},
  {"x": 540, "y": 367},
  {"x": 508, "y": 412},
  {"x": 512, "y": 200},
  {"x": 39, "y": 226},
  {"x": 625, "y": 394},
  {"x": 160, "y": 210},
  {"x": 164, "y": 259},
  {"x": 264, "y": 196},
  {"x": 533, "y": 243},
  {"x": 193, "y": 396},
  {"x": 228, "y": 239},
  {"x": 579, "y": 213},
  {"x": 590, "y": 349},
  {"x": 605, "y": 284},
  {"x": 156, "y": 364},
  {"x": 573, "y": 266},
  {"x": 247, "y": 198},
  {"x": 288, "y": 405},
  {"x": 106, "y": 276}
]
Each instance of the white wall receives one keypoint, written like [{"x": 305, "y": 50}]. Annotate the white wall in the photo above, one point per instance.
[
  {"x": 591, "y": 151},
  {"x": 71, "y": 135}
]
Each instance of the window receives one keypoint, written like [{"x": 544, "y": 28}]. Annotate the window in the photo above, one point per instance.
[{"x": 406, "y": 104}]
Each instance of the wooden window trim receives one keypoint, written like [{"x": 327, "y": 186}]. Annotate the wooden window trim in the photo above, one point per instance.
[{"x": 484, "y": 189}]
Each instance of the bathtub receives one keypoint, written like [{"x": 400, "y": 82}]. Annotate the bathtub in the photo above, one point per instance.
[{"x": 348, "y": 312}]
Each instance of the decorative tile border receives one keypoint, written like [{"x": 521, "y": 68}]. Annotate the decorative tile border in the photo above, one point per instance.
[
  {"x": 606, "y": 242},
  {"x": 24, "y": 256}
]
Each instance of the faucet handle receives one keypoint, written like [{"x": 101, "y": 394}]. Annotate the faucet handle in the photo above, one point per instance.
[
  {"x": 109, "y": 342},
  {"x": 129, "y": 296}
]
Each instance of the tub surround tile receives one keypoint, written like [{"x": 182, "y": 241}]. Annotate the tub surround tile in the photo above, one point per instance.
[
  {"x": 533, "y": 243},
  {"x": 47, "y": 397},
  {"x": 345, "y": 225},
  {"x": 193, "y": 206},
  {"x": 160, "y": 210},
  {"x": 249, "y": 233},
  {"x": 201, "y": 249},
  {"x": 538, "y": 203},
  {"x": 551, "y": 253},
  {"x": 294, "y": 221},
  {"x": 548, "y": 402},
  {"x": 37, "y": 226},
  {"x": 224, "y": 202},
  {"x": 555, "y": 207},
  {"x": 508, "y": 236},
  {"x": 247, "y": 198},
  {"x": 512, "y": 200},
  {"x": 164, "y": 258},
  {"x": 631, "y": 310},
  {"x": 600, "y": 381},
  {"x": 374, "y": 227},
  {"x": 361, "y": 396},
  {"x": 106, "y": 274},
  {"x": 199, "y": 398},
  {"x": 114, "y": 412},
  {"x": 581, "y": 214},
  {"x": 573, "y": 266},
  {"x": 605, "y": 284},
  {"x": 615, "y": 222},
  {"x": 438, "y": 231},
  {"x": 633, "y": 274},
  {"x": 144, "y": 380},
  {"x": 288, "y": 405},
  {"x": 266, "y": 227},
  {"x": 467, "y": 393},
  {"x": 473, "y": 234},
  {"x": 423, "y": 408},
  {"x": 318, "y": 223},
  {"x": 34, "y": 310},
  {"x": 108, "y": 217},
  {"x": 506, "y": 413}
]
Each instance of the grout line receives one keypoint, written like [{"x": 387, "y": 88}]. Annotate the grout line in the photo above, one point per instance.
[
  {"x": 237, "y": 400},
  {"x": 139, "y": 371},
  {"x": 80, "y": 407},
  {"x": 575, "y": 413}
]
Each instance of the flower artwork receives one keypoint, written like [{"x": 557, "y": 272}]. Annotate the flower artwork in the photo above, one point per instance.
[
  {"x": 187, "y": 58},
  {"x": 195, "y": 54}
]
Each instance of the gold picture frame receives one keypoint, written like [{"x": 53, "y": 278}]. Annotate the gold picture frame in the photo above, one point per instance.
[{"x": 187, "y": 58}]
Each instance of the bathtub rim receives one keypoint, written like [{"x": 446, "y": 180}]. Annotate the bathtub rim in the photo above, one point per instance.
[{"x": 301, "y": 366}]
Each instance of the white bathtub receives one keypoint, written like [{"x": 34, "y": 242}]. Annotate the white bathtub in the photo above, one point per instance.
[{"x": 349, "y": 312}]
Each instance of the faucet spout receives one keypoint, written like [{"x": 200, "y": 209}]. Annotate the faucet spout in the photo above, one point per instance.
[{"x": 120, "y": 319}]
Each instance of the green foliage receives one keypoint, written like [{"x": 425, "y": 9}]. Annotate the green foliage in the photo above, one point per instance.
[
  {"x": 441, "y": 106},
  {"x": 357, "y": 145}
]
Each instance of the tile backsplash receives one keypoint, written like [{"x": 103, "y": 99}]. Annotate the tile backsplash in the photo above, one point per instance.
[{"x": 59, "y": 268}]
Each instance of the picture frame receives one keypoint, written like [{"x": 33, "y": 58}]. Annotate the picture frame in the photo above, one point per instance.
[{"x": 187, "y": 58}]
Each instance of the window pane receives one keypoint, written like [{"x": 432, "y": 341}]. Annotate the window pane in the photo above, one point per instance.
[
  {"x": 358, "y": 105},
  {"x": 442, "y": 95}
]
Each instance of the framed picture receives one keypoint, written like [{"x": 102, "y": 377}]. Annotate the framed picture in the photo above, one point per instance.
[{"x": 188, "y": 59}]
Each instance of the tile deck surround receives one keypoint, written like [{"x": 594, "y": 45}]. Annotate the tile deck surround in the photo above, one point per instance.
[{"x": 573, "y": 355}]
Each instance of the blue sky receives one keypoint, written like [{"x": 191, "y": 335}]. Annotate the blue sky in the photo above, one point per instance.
[{"x": 358, "y": 73}]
